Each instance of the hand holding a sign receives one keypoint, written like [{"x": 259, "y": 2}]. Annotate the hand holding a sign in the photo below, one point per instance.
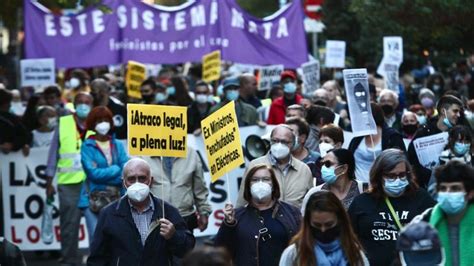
[
  {"x": 229, "y": 213},
  {"x": 167, "y": 229},
  {"x": 203, "y": 220}
]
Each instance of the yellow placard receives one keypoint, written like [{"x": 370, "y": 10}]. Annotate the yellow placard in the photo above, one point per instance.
[
  {"x": 157, "y": 130},
  {"x": 211, "y": 66},
  {"x": 136, "y": 74},
  {"x": 222, "y": 141}
]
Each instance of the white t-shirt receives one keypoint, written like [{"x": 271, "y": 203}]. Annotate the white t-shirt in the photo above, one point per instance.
[
  {"x": 42, "y": 139},
  {"x": 364, "y": 158}
]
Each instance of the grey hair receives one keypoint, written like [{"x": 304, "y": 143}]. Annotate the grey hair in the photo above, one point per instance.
[
  {"x": 135, "y": 162},
  {"x": 387, "y": 161},
  {"x": 286, "y": 127},
  {"x": 389, "y": 92}
]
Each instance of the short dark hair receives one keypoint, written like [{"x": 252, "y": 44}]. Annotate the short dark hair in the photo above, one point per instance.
[
  {"x": 332, "y": 131},
  {"x": 377, "y": 114},
  {"x": 316, "y": 113},
  {"x": 150, "y": 82},
  {"x": 248, "y": 177},
  {"x": 458, "y": 132},
  {"x": 344, "y": 156},
  {"x": 53, "y": 89},
  {"x": 303, "y": 127},
  {"x": 5, "y": 96},
  {"x": 446, "y": 101},
  {"x": 455, "y": 171}
]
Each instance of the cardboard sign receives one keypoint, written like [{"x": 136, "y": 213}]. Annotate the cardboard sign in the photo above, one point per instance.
[
  {"x": 136, "y": 74},
  {"x": 37, "y": 72},
  {"x": 268, "y": 75},
  {"x": 211, "y": 66},
  {"x": 222, "y": 141},
  {"x": 24, "y": 201},
  {"x": 311, "y": 76},
  {"x": 335, "y": 54},
  {"x": 157, "y": 130},
  {"x": 358, "y": 99}
]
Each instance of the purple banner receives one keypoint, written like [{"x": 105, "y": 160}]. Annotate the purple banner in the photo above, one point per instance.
[{"x": 165, "y": 35}]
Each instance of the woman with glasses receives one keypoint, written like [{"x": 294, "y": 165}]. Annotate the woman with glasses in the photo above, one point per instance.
[
  {"x": 393, "y": 200},
  {"x": 258, "y": 233},
  {"x": 325, "y": 237},
  {"x": 337, "y": 171}
]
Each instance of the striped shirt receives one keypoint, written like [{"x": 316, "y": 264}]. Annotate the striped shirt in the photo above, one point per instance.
[{"x": 143, "y": 219}]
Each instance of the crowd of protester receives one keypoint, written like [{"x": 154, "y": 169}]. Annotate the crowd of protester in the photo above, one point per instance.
[{"x": 310, "y": 200}]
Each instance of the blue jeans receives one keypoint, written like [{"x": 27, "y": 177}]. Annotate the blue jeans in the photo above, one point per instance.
[{"x": 91, "y": 222}]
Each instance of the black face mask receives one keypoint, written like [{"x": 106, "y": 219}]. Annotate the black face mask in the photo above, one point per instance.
[
  {"x": 320, "y": 102},
  {"x": 387, "y": 109},
  {"x": 409, "y": 129},
  {"x": 327, "y": 236},
  {"x": 148, "y": 98}
]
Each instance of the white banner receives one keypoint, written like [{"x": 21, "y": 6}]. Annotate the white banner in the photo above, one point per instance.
[
  {"x": 391, "y": 61},
  {"x": 335, "y": 54},
  {"x": 24, "y": 182},
  {"x": 269, "y": 75},
  {"x": 311, "y": 76},
  {"x": 429, "y": 148},
  {"x": 358, "y": 99},
  {"x": 37, "y": 72},
  {"x": 393, "y": 49}
]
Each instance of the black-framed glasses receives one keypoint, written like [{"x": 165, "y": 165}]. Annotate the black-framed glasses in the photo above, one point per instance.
[{"x": 393, "y": 176}]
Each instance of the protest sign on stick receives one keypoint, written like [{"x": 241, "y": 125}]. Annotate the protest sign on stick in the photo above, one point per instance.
[
  {"x": 37, "y": 72},
  {"x": 391, "y": 61},
  {"x": 136, "y": 74},
  {"x": 358, "y": 99},
  {"x": 335, "y": 54},
  {"x": 310, "y": 76},
  {"x": 222, "y": 141},
  {"x": 211, "y": 66},
  {"x": 157, "y": 130},
  {"x": 268, "y": 75}
]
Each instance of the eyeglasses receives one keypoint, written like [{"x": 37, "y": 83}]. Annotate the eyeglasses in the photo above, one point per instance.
[
  {"x": 256, "y": 179},
  {"x": 282, "y": 141},
  {"x": 393, "y": 176}
]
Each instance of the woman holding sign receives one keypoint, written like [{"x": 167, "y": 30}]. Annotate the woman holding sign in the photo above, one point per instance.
[
  {"x": 257, "y": 233},
  {"x": 103, "y": 158}
]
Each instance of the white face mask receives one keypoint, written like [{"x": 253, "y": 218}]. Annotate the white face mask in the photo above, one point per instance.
[
  {"x": 324, "y": 148},
  {"x": 201, "y": 98},
  {"x": 74, "y": 83},
  {"x": 280, "y": 150},
  {"x": 52, "y": 122},
  {"x": 261, "y": 190},
  {"x": 102, "y": 128},
  {"x": 138, "y": 192}
]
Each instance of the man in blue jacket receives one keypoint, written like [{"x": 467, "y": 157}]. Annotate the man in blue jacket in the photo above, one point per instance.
[{"x": 134, "y": 230}]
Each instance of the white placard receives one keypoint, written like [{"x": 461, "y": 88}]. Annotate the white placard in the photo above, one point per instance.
[
  {"x": 393, "y": 49},
  {"x": 335, "y": 54},
  {"x": 269, "y": 75},
  {"x": 24, "y": 182},
  {"x": 311, "y": 76},
  {"x": 429, "y": 148},
  {"x": 358, "y": 99},
  {"x": 37, "y": 72}
]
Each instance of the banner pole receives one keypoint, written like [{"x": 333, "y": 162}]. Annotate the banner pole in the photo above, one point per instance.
[
  {"x": 373, "y": 146},
  {"x": 228, "y": 186},
  {"x": 162, "y": 187}
]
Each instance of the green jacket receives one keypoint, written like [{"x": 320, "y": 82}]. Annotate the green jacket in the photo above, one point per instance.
[{"x": 246, "y": 113}]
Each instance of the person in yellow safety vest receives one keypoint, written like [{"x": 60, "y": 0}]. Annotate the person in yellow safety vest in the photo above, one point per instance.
[{"x": 64, "y": 162}]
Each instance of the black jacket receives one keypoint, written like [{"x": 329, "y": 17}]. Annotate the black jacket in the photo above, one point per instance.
[
  {"x": 391, "y": 138},
  {"x": 117, "y": 240},
  {"x": 12, "y": 130}
]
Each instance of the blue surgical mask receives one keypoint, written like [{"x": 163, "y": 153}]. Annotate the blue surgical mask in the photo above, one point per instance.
[
  {"x": 171, "y": 90},
  {"x": 210, "y": 99},
  {"x": 452, "y": 202},
  {"x": 83, "y": 110},
  {"x": 461, "y": 148},
  {"x": 289, "y": 88},
  {"x": 395, "y": 188},
  {"x": 446, "y": 121},
  {"x": 232, "y": 95},
  {"x": 161, "y": 97},
  {"x": 421, "y": 119},
  {"x": 328, "y": 174}
]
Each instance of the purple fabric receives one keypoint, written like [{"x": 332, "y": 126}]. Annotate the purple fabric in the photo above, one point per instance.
[{"x": 137, "y": 31}]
